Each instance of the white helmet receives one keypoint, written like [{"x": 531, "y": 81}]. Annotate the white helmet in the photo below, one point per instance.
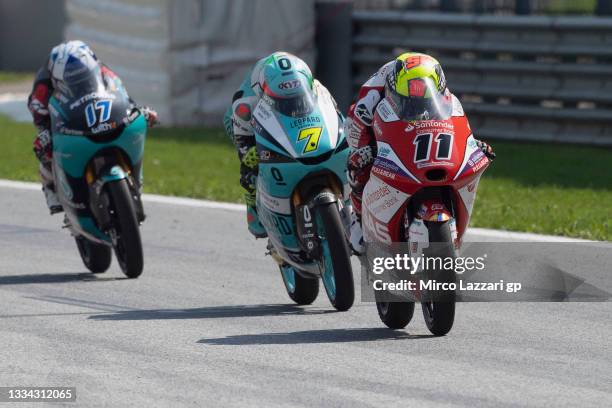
[{"x": 70, "y": 63}]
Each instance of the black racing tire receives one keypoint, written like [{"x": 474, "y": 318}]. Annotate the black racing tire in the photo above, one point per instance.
[
  {"x": 96, "y": 257},
  {"x": 440, "y": 314},
  {"x": 304, "y": 290},
  {"x": 333, "y": 228},
  {"x": 128, "y": 246},
  {"x": 395, "y": 315}
]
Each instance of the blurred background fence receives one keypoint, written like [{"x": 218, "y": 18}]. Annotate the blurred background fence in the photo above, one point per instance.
[
  {"x": 28, "y": 29},
  {"x": 187, "y": 57},
  {"x": 567, "y": 7},
  {"x": 520, "y": 77}
]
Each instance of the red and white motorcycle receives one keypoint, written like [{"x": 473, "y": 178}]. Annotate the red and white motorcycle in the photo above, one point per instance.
[{"x": 421, "y": 191}]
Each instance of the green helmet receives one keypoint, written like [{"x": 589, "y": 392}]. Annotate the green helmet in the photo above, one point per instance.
[{"x": 287, "y": 84}]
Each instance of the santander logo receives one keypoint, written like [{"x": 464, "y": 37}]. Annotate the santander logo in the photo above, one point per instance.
[{"x": 434, "y": 124}]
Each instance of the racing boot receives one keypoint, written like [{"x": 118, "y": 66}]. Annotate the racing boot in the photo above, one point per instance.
[
  {"x": 248, "y": 180},
  {"x": 49, "y": 190},
  {"x": 52, "y": 200},
  {"x": 255, "y": 226},
  {"x": 356, "y": 234}
]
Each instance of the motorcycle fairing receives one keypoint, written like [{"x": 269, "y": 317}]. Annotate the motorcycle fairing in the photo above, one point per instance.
[
  {"x": 381, "y": 203},
  {"x": 286, "y": 159},
  {"x": 75, "y": 152},
  {"x": 294, "y": 137},
  {"x": 400, "y": 168}
]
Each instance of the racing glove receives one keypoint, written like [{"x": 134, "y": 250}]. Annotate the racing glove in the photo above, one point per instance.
[
  {"x": 248, "y": 178},
  {"x": 150, "y": 115},
  {"x": 249, "y": 170},
  {"x": 43, "y": 147},
  {"x": 486, "y": 149}
]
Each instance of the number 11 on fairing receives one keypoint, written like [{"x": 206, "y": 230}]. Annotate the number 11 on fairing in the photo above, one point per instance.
[{"x": 423, "y": 147}]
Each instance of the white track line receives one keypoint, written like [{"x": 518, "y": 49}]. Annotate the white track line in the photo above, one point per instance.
[
  {"x": 197, "y": 203},
  {"x": 521, "y": 236},
  {"x": 20, "y": 185},
  {"x": 13, "y": 97},
  {"x": 151, "y": 198},
  {"x": 14, "y": 105},
  {"x": 190, "y": 202}
]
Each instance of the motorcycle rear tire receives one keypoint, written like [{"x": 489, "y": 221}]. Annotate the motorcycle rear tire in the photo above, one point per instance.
[
  {"x": 96, "y": 257},
  {"x": 301, "y": 290},
  {"x": 395, "y": 315}
]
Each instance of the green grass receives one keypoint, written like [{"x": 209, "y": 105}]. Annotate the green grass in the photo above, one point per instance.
[
  {"x": 8, "y": 77},
  {"x": 560, "y": 189},
  {"x": 193, "y": 163},
  {"x": 570, "y": 7}
]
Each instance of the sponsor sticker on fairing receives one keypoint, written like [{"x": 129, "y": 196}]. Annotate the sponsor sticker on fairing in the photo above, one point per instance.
[
  {"x": 103, "y": 127},
  {"x": 390, "y": 156},
  {"x": 90, "y": 96},
  {"x": 387, "y": 165},
  {"x": 384, "y": 151},
  {"x": 434, "y": 164},
  {"x": 383, "y": 172},
  {"x": 305, "y": 122},
  {"x": 377, "y": 194},
  {"x": 440, "y": 124},
  {"x": 479, "y": 165},
  {"x": 471, "y": 157},
  {"x": 276, "y": 204},
  {"x": 69, "y": 131}
]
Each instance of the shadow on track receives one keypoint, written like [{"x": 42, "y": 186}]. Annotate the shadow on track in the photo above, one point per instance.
[
  {"x": 54, "y": 278},
  {"x": 315, "y": 336},
  {"x": 212, "y": 312}
]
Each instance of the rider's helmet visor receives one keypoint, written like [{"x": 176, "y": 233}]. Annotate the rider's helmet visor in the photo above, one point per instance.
[
  {"x": 84, "y": 82},
  {"x": 300, "y": 102},
  {"x": 423, "y": 102}
]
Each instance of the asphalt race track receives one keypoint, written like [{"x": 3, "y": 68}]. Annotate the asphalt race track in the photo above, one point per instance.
[{"x": 209, "y": 324}]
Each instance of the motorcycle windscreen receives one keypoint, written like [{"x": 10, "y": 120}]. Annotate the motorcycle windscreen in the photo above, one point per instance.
[
  {"x": 310, "y": 134},
  {"x": 296, "y": 106},
  {"x": 87, "y": 105},
  {"x": 424, "y": 101},
  {"x": 83, "y": 83}
]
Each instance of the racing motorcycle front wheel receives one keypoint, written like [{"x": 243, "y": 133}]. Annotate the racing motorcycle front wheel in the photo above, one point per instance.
[
  {"x": 439, "y": 310},
  {"x": 337, "y": 274},
  {"x": 126, "y": 233}
]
